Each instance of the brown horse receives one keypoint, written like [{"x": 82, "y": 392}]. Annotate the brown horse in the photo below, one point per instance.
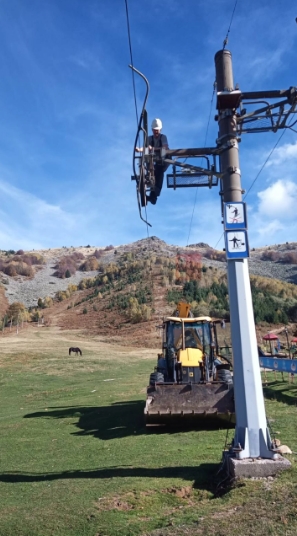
[{"x": 75, "y": 350}]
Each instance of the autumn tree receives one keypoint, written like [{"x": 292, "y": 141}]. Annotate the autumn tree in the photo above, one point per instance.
[{"x": 15, "y": 311}]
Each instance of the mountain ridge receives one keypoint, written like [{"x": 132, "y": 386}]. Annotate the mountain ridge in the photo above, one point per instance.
[
  {"x": 129, "y": 306},
  {"x": 45, "y": 283}
]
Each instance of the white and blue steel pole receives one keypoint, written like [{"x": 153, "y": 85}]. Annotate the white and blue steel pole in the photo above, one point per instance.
[{"x": 252, "y": 438}]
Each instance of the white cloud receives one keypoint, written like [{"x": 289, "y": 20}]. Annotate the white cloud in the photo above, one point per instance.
[
  {"x": 279, "y": 199},
  {"x": 274, "y": 219},
  {"x": 86, "y": 60},
  {"x": 268, "y": 230},
  {"x": 263, "y": 65},
  {"x": 28, "y": 222},
  {"x": 282, "y": 154}
]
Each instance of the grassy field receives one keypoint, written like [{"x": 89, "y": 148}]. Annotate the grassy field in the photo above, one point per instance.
[{"x": 76, "y": 459}]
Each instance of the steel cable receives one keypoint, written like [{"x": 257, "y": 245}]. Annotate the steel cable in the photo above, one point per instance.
[
  {"x": 208, "y": 123},
  {"x": 214, "y": 88},
  {"x": 133, "y": 82},
  {"x": 131, "y": 58},
  {"x": 229, "y": 29}
]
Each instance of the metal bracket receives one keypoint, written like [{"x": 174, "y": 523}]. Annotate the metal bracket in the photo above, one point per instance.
[
  {"x": 192, "y": 176},
  {"x": 225, "y": 113},
  {"x": 228, "y": 99},
  {"x": 270, "y": 117},
  {"x": 234, "y": 170},
  {"x": 228, "y": 143}
]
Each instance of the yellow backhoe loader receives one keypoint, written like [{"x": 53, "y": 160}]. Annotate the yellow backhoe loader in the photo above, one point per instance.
[{"x": 191, "y": 380}]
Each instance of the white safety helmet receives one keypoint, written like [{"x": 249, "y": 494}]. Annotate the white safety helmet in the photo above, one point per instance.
[{"x": 157, "y": 124}]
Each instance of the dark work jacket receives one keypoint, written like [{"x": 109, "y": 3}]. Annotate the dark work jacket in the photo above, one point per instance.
[{"x": 160, "y": 141}]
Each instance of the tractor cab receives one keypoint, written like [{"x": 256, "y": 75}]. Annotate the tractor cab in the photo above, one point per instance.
[
  {"x": 191, "y": 379},
  {"x": 188, "y": 350}
]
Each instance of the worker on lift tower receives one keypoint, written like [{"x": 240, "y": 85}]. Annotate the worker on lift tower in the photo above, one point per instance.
[{"x": 156, "y": 141}]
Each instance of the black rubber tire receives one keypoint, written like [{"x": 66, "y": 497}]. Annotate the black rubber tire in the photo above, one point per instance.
[
  {"x": 156, "y": 377},
  {"x": 224, "y": 375}
]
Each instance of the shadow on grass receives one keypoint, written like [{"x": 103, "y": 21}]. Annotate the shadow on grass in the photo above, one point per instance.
[
  {"x": 105, "y": 422},
  {"x": 115, "y": 421},
  {"x": 282, "y": 392},
  {"x": 205, "y": 476},
  {"x": 118, "y": 420}
]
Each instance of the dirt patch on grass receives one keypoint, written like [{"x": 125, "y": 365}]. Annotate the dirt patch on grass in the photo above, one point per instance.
[
  {"x": 128, "y": 501},
  {"x": 183, "y": 493},
  {"x": 258, "y": 513},
  {"x": 47, "y": 350}
]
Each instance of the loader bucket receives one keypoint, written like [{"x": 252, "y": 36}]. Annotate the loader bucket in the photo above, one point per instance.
[{"x": 189, "y": 403}]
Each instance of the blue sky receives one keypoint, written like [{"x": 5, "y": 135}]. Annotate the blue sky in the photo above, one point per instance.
[{"x": 68, "y": 118}]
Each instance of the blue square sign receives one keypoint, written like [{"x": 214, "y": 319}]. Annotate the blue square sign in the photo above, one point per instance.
[
  {"x": 235, "y": 216},
  {"x": 236, "y": 245}
]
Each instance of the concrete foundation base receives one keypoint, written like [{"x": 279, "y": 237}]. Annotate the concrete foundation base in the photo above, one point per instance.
[{"x": 251, "y": 467}]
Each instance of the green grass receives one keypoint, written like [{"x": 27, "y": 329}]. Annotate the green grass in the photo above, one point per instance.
[{"x": 76, "y": 459}]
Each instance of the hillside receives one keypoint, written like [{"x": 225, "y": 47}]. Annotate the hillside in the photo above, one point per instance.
[
  {"x": 122, "y": 293},
  {"x": 43, "y": 283}
]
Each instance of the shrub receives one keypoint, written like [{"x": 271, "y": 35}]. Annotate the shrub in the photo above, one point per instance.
[
  {"x": 77, "y": 256},
  {"x": 10, "y": 270},
  {"x": 30, "y": 258},
  {"x": 47, "y": 302},
  {"x": 289, "y": 258},
  {"x": 15, "y": 310},
  {"x": 209, "y": 253},
  {"x": 146, "y": 312},
  {"x": 62, "y": 295},
  {"x": 71, "y": 288},
  {"x": 89, "y": 265},
  {"x": 98, "y": 253},
  {"x": 35, "y": 315},
  {"x": 134, "y": 311},
  {"x": 66, "y": 263},
  {"x": 23, "y": 268},
  {"x": 270, "y": 255}
]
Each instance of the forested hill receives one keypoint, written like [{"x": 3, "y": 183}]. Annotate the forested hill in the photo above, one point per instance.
[{"x": 120, "y": 289}]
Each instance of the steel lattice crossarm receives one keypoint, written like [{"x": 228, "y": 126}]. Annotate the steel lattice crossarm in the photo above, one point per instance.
[
  {"x": 255, "y": 111},
  {"x": 199, "y": 151},
  {"x": 185, "y": 175}
]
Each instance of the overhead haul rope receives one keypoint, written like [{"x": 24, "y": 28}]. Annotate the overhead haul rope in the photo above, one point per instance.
[
  {"x": 214, "y": 89},
  {"x": 271, "y": 152},
  {"x": 133, "y": 81},
  {"x": 196, "y": 193},
  {"x": 229, "y": 29},
  {"x": 263, "y": 166},
  {"x": 131, "y": 58}
]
